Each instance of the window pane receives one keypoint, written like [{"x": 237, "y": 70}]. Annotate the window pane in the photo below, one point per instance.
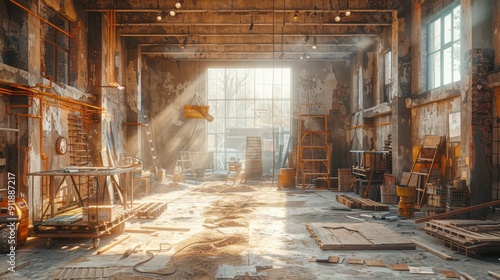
[
  {"x": 444, "y": 53},
  {"x": 387, "y": 64},
  {"x": 447, "y": 66},
  {"x": 434, "y": 70},
  {"x": 456, "y": 23},
  {"x": 435, "y": 35},
  {"x": 242, "y": 99},
  {"x": 456, "y": 62},
  {"x": 447, "y": 29}
]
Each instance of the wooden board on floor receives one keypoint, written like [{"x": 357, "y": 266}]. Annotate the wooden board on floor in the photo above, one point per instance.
[
  {"x": 357, "y": 236},
  {"x": 379, "y": 263},
  {"x": 399, "y": 267}
]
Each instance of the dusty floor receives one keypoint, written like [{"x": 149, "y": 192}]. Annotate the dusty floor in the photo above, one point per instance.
[{"x": 250, "y": 231}]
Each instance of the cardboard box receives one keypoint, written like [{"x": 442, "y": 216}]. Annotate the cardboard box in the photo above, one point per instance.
[{"x": 97, "y": 214}]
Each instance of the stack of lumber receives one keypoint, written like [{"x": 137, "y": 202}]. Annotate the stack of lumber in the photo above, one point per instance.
[
  {"x": 470, "y": 236},
  {"x": 150, "y": 210},
  {"x": 361, "y": 203}
]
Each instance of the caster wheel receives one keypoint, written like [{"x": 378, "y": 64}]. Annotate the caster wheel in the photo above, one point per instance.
[
  {"x": 95, "y": 242},
  {"x": 49, "y": 243}
]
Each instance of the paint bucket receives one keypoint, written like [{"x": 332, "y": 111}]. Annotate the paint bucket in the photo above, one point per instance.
[
  {"x": 406, "y": 203},
  {"x": 286, "y": 178},
  {"x": 344, "y": 180},
  {"x": 388, "y": 194}
]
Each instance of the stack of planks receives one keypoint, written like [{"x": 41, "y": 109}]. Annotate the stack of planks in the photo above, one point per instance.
[
  {"x": 470, "y": 236},
  {"x": 361, "y": 203},
  {"x": 150, "y": 210}
]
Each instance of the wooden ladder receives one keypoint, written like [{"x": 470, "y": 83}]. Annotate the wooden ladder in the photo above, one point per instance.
[
  {"x": 313, "y": 153},
  {"x": 151, "y": 144},
  {"x": 427, "y": 157}
]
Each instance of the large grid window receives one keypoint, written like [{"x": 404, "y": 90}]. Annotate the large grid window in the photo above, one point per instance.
[
  {"x": 444, "y": 48},
  {"x": 57, "y": 48},
  {"x": 246, "y": 101}
]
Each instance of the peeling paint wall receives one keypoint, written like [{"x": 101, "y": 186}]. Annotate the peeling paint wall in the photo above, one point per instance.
[
  {"x": 42, "y": 122},
  {"x": 168, "y": 86}
]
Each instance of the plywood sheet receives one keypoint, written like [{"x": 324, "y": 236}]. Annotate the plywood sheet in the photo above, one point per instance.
[
  {"x": 379, "y": 263},
  {"x": 357, "y": 236}
]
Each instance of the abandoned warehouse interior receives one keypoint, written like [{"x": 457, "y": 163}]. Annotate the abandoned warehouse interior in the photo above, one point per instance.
[{"x": 200, "y": 139}]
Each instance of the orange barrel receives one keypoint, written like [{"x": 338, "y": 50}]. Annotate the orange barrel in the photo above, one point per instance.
[
  {"x": 344, "y": 180},
  {"x": 286, "y": 178},
  {"x": 406, "y": 203}
]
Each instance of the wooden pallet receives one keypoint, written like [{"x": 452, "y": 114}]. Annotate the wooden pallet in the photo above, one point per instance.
[
  {"x": 150, "y": 210},
  {"x": 470, "y": 236},
  {"x": 361, "y": 203}
]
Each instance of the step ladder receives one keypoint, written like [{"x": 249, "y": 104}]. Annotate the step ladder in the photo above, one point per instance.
[
  {"x": 313, "y": 151},
  {"x": 185, "y": 163},
  {"x": 426, "y": 161},
  {"x": 151, "y": 143}
]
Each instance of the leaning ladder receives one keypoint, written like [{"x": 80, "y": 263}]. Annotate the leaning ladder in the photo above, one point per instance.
[{"x": 151, "y": 144}]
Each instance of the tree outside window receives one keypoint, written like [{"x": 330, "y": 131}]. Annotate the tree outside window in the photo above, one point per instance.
[{"x": 444, "y": 48}]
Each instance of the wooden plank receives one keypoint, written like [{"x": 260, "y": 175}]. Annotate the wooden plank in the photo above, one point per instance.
[
  {"x": 399, "y": 267},
  {"x": 165, "y": 228},
  {"x": 458, "y": 211},
  {"x": 467, "y": 276},
  {"x": 449, "y": 274},
  {"x": 355, "y": 261},
  {"x": 113, "y": 244},
  {"x": 495, "y": 275},
  {"x": 379, "y": 263},
  {"x": 421, "y": 270},
  {"x": 430, "y": 250}
]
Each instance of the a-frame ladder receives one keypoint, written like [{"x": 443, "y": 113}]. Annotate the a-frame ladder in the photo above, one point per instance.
[{"x": 427, "y": 157}]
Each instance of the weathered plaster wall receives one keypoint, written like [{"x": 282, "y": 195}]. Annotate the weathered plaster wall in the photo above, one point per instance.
[
  {"x": 41, "y": 123},
  {"x": 167, "y": 86}
]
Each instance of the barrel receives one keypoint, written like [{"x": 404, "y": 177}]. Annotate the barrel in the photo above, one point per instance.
[
  {"x": 388, "y": 194},
  {"x": 344, "y": 180},
  {"x": 406, "y": 203},
  {"x": 286, "y": 178}
]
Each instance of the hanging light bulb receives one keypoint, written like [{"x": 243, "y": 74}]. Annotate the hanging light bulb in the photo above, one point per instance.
[
  {"x": 172, "y": 13},
  {"x": 337, "y": 18},
  {"x": 348, "y": 12},
  {"x": 295, "y": 17},
  {"x": 159, "y": 16},
  {"x": 315, "y": 45},
  {"x": 178, "y": 5}
]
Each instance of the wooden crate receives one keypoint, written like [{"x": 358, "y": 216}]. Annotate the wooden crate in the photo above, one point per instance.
[{"x": 94, "y": 214}]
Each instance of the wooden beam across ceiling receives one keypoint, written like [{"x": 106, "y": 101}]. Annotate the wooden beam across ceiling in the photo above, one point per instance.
[{"x": 249, "y": 29}]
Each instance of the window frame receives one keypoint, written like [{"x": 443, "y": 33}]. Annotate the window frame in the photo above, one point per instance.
[
  {"x": 443, "y": 47},
  {"x": 57, "y": 48}
]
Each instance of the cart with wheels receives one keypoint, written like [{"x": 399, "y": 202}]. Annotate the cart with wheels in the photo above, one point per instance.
[{"x": 104, "y": 205}]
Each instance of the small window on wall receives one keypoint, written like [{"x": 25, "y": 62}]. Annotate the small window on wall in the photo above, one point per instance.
[
  {"x": 443, "y": 48},
  {"x": 387, "y": 76},
  {"x": 56, "y": 43}
]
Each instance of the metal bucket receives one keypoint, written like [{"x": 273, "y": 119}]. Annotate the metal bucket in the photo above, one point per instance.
[{"x": 286, "y": 178}]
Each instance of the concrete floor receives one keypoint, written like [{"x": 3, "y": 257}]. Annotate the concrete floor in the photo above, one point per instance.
[{"x": 250, "y": 231}]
